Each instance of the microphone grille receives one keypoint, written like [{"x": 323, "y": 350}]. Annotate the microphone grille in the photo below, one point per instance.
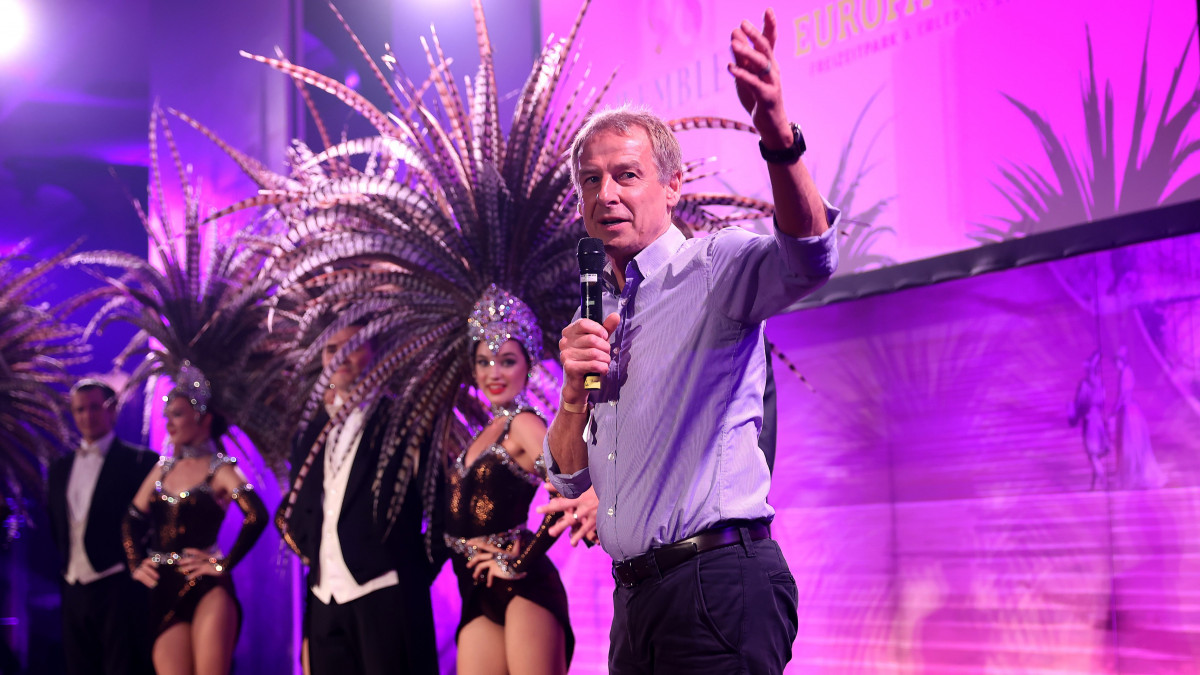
[{"x": 591, "y": 255}]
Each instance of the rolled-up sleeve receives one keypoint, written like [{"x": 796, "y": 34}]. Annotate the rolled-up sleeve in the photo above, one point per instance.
[
  {"x": 755, "y": 276},
  {"x": 570, "y": 485},
  {"x": 813, "y": 257}
]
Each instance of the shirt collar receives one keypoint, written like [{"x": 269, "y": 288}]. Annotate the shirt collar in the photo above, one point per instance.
[
  {"x": 100, "y": 446},
  {"x": 652, "y": 258},
  {"x": 332, "y": 409}
]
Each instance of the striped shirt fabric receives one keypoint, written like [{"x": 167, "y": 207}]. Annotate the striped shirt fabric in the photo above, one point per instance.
[{"x": 673, "y": 433}]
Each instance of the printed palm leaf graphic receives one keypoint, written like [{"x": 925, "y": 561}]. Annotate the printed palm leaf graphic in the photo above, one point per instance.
[
  {"x": 859, "y": 232},
  {"x": 1078, "y": 192},
  {"x": 406, "y": 228},
  {"x": 36, "y": 349},
  {"x": 205, "y": 304}
]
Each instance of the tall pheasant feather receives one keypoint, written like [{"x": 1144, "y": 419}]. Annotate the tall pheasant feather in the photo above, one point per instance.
[
  {"x": 405, "y": 229},
  {"x": 206, "y": 301},
  {"x": 36, "y": 349}
]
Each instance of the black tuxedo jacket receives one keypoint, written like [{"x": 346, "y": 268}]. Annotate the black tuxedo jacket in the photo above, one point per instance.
[
  {"x": 368, "y": 549},
  {"x": 124, "y": 468}
]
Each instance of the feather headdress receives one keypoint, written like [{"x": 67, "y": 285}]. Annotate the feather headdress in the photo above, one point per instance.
[
  {"x": 36, "y": 348},
  {"x": 204, "y": 306},
  {"x": 405, "y": 231}
]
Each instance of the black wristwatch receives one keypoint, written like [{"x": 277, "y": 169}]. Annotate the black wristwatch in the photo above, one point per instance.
[{"x": 787, "y": 155}]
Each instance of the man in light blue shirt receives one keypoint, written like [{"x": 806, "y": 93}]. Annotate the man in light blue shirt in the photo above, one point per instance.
[{"x": 670, "y": 440}]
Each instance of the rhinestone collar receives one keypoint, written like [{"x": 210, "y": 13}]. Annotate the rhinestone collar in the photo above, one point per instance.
[
  {"x": 510, "y": 409},
  {"x": 206, "y": 449}
]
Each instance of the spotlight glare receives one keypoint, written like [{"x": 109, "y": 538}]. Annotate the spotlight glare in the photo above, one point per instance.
[{"x": 14, "y": 24}]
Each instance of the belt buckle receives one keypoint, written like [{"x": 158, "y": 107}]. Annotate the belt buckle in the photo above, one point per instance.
[{"x": 625, "y": 575}]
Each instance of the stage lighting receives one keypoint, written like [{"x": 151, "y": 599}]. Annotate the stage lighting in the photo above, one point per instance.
[{"x": 14, "y": 24}]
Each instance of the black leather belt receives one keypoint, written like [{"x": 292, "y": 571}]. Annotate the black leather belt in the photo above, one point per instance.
[{"x": 657, "y": 561}]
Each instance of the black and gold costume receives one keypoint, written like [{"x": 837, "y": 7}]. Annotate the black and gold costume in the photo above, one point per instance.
[
  {"x": 189, "y": 519},
  {"x": 490, "y": 498}
]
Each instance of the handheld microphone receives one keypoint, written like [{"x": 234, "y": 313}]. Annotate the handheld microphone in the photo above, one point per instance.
[{"x": 591, "y": 305}]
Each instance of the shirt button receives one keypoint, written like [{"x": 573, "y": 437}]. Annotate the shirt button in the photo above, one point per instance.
[
  {"x": 610, "y": 511},
  {"x": 612, "y": 456}
]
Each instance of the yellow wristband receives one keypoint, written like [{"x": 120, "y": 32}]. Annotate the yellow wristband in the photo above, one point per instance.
[{"x": 572, "y": 408}]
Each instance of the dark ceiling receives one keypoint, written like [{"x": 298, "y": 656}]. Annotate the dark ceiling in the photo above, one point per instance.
[{"x": 80, "y": 85}]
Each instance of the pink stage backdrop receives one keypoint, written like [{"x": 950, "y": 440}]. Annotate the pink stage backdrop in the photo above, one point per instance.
[
  {"x": 934, "y": 500},
  {"x": 936, "y": 504},
  {"x": 906, "y": 99}
]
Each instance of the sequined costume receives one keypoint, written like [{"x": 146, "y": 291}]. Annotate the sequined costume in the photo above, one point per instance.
[
  {"x": 490, "y": 498},
  {"x": 189, "y": 519}
]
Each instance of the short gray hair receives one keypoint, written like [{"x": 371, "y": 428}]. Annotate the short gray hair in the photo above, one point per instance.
[{"x": 668, "y": 158}]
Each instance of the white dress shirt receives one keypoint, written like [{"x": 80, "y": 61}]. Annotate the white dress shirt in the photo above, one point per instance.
[
  {"x": 85, "y": 471},
  {"x": 336, "y": 582}
]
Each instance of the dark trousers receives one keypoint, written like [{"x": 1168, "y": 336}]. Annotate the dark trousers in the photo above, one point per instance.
[
  {"x": 728, "y": 610},
  {"x": 105, "y": 628},
  {"x": 389, "y": 631}
]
